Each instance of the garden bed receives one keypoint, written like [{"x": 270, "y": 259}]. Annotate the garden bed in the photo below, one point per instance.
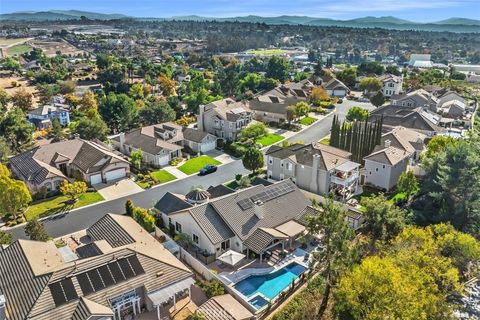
[{"x": 154, "y": 178}]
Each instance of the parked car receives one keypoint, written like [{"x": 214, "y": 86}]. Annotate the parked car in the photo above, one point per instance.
[{"x": 209, "y": 168}]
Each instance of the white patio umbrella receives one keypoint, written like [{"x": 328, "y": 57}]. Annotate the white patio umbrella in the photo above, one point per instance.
[{"x": 231, "y": 257}]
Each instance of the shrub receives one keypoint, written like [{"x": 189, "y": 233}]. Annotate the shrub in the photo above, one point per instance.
[
  {"x": 144, "y": 218},
  {"x": 175, "y": 162},
  {"x": 213, "y": 288},
  {"x": 238, "y": 177}
]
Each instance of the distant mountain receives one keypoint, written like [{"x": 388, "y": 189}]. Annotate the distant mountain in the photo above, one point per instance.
[
  {"x": 58, "y": 15},
  {"x": 459, "y": 21},
  {"x": 388, "y": 19}
]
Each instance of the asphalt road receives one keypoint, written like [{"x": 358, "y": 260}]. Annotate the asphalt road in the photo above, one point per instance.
[{"x": 84, "y": 217}]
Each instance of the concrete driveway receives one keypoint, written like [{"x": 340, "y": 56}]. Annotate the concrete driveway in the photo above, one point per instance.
[{"x": 118, "y": 189}]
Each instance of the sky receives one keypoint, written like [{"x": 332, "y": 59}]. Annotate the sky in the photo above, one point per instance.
[{"x": 414, "y": 10}]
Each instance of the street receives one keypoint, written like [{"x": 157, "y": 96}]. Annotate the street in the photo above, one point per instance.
[{"x": 84, "y": 217}]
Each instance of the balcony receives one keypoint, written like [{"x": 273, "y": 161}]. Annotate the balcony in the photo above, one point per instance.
[{"x": 344, "y": 178}]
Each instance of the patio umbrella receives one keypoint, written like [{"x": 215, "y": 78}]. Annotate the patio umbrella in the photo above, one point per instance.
[{"x": 231, "y": 257}]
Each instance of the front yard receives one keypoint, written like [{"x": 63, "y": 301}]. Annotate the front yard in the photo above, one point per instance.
[
  {"x": 307, "y": 121},
  {"x": 269, "y": 139},
  {"x": 56, "y": 205},
  {"x": 155, "y": 177},
  {"x": 195, "y": 164}
]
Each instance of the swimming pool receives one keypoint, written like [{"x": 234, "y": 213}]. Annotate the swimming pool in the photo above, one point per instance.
[{"x": 270, "y": 285}]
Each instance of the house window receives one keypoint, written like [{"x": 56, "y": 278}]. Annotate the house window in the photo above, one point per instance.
[
  {"x": 178, "y": 227},
  {"x": 195, "y": 238},
  {"x": 270, "y": 160},
  {"x": 289, "y": 166},
  {"x": 376, "y": 169},
  {"x": 383, "y": 166},
  {"x": 225, "y": 245}
]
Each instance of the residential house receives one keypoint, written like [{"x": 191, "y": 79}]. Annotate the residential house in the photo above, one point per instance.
[
  {"x": 43, "y": 116},
  {"x": 48, "y": 165},
  {"x": 392, "y": 84},
  {"x": 398, "y": 148},
  {"x": 115, "y": 270},
  {"x": 161, "y": 143},
  {"x": 334, "y": 87},
  {"x": 224, "y": 307},
  {"x": 224, "y": 118},
  {"x": 415, "y": 99},
  {"x": 315, "y": 167},
  {"x": 255, "y": 219}
]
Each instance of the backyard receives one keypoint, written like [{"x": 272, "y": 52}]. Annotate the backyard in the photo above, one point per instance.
[
  {"x": 56, "y": 205},
  {"x": 269, "y": 139},
  {"x": 195, "y": 164}
]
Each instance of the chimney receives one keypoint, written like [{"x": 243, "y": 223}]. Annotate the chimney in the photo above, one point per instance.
[
  {"x": 200, "y": 124},
  {"x": 258, "y": 205},
  {"x": 315, "y": 166},
  {"x": 121, "y": 138},
  {"x": 388, "y": 143},
  {"x": 3, "y": 307}
]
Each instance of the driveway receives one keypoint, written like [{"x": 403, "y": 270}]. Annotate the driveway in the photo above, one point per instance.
[{"x": 118, "y": 189}]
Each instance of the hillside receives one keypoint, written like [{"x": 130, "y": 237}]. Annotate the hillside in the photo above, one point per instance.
[{"x": 58, "y": 15}]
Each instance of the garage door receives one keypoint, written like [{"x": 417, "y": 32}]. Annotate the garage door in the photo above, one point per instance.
[
  {"x": 96, "y": 179},
  {"x": 205, "y": 147},
  {"x": 115, "y": 174}
]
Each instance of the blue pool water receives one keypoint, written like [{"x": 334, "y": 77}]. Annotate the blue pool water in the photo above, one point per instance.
[
  {"x": 270, "y": 285},
  {"x": 258, "y": 302}
]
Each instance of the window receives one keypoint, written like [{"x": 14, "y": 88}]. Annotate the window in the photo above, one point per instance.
[
  {"x": 230, "y": 124},
  {"x": 270, "y": 160},
  {"x": 383, "y": 166},
  {"x": 195, "y": 238},
  {"x": 169, "y": 221},
  {"x": 376, "y": 169},
  {"x": 178, "y": 227},
  {"x": 289, "y": 166},
  {"x": 225, "y": 245}
]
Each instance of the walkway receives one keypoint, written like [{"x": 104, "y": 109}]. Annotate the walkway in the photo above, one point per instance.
[{"x": 118, "y": 189}]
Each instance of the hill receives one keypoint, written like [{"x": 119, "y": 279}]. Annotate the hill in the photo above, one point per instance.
[
  {"x": 58, "y": 15},
  {"x": 459, "y": 21}
]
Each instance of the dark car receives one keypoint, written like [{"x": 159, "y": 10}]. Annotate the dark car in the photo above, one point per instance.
[{"x": 209, "y": 168}]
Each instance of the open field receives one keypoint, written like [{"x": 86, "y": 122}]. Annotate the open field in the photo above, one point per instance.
[
  {"x": 50, "y": 48},
  {"x": 6, "y": 84},
  {"x": 18, "y": 49},
  {"x": 4, "y": 42},
  {"x": 268, "y": 52}
]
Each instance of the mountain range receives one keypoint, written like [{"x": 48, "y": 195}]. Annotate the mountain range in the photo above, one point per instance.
[{"x": 388, "y": 22}]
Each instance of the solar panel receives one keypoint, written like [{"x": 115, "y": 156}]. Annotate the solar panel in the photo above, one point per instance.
[
  {"x": 69, "y": 289},
  {"x": 84, "y": 283},
  {"x": 63, "y": 291},
  {"x": 245, "y": 204},
  {"x": 106, "y": 276},
  {"x": 127, "y": 270},
  {"x": 116, "y": 272},
  {"x": 95, "y": 280},
  {"x": 136, "y": 266}
]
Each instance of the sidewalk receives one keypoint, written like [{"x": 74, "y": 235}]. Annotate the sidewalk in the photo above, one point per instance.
[{"x": 177, "y": 173}]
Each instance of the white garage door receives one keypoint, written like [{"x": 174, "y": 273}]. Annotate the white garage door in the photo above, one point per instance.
[
  {"x": 115, "y": 174},
  {"x": 96, "y": 179},
  {"x": 205, "y": 147},
  {"x": 339, "y": 93}
]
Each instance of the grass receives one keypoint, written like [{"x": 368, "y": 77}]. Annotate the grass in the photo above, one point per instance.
[
  {"x": 307, "y": 121},
  {"x": 325, "y": 141},
  {"x": 195, "y": 164},
  {"x": 268, "y": 52},
  {"x": 163, "y": 176},
  {"x": 269, "y": 139},
  {"x": 18, "y": 49},
  {"x": 232, "y": 184},
  {"x": 56, "y": 205}
]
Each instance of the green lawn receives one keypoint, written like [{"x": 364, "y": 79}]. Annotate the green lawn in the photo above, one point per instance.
[
  {"x": 269, "y": 139},
  {"x": 325, "y": 141},
  {"x": 232, "y": 184},
  {"x": 307, "y": 121},
  {"x": 18, "y": 49},
  {"x": 268, "y": 52},
  {"x": 195, "y": 164},
  {"x": 163, "y": 176},
  {"x": 55, "y": 205}
]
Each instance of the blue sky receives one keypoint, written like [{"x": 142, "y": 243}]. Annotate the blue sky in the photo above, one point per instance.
[{"x": 415, "y": 10}]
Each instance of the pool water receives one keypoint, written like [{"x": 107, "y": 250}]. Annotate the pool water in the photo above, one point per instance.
[
  {"x": 270, "y": 285},
  {"x": 258, "y": 302}
]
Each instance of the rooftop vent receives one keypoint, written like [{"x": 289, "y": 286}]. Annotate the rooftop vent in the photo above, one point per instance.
[{"x": 259, "y": 210}]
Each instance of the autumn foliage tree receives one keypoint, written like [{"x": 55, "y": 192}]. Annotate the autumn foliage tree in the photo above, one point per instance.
[{"x": 73, "y": 190}]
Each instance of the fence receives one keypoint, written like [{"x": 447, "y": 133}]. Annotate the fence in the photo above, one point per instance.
[{"x": 196, "y": 265}]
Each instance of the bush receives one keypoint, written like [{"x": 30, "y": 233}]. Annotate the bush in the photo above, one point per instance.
[
  {"x": 144, "y": 218},
  {"x": 213, "y": 288},
  {"x": 175, "y": 162},
  {"x": 238, "y": 177}
]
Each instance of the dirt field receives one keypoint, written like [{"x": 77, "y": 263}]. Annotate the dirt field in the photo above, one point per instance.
[
  {"x": 50, "y": 48},
  {"x": 6, "y": 84},
  {"x": 8, "y": 42}
]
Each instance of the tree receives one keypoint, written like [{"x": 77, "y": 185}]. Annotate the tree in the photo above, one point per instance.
[
  {"x": 383, "y": 220},
  {"x": 14, "y": 195},
  {"x": 254, "y": 131},
  {"x": 119, "y": 112},
  {"x": 393, "y": 70},
  {"x": 370, "y": 84},
  {"x": 73, "y": 190},
  {"x": 318, "y": 95},
  {"x": 137, "y": 158},
  {"x": 302, "y": 109},
  {"x": 56, "y": 126},
  {"x": 213, "y": 288},
  {"x": 89, "y": 103},
  {"x": 377, "y": 99},
  {"x": 67, "y": 87},
  {"x": 144, "y": 218},
  {"x": 90, "y": 129},
  {"x": 167, "y": 85},
  {"x": 35, "y": 230},
  {"x": 11, "y": 64},
  {"x": 136, "y": 91},
  {"x": 4, "y": 100},
  {"x": 157, "y": 111},
  {"x": 129, "y": 207},
  {"x": 5, "y": 150},
  {"x": 357, "y": 114},
  {"x": 277, "y": 68},
  {"x": 5, "y": 238},
  {"x": 290, "y": 113},
  {"x": 45, "y": 93},
  {"x": 336, "y": 253},
  {"x": 197, "y": 316},
  {"x": 253, "y": 159},
  {"x": 458, "y": 75},
  {"x": 437, "y": 145},
  {"x": 407, "y": 183},
  {"x": 16, "y": 130},
  {"x": 22, "y": 99},
  {"x": 370, "y": 67},
  {"x": 348, "y": 76}
]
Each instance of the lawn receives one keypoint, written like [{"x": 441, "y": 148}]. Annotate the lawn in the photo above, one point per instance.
[
  {"x": 195, "y": 164},
  {"x": 55, "y": 205},
  {"x": 325, "y": 141},
  {"x": 163, "y": 176},
  {"x": 18, "y": 49},
  {"x": 153, "y": 178},
  {"x": 268, "y": 52},
  {"x": 269, "y": 139},
  {"x": 307, "y": 121}
]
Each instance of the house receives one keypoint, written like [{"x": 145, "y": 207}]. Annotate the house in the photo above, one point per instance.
[
  {"x": 255, "y": 219},
  {"x": 224, "y": 118},
  {"x": 315, "y": 167},
  {"x": 115, "y": 270},
  {"x": 224, "y": 307},
  {"x": 48, "y": 165},
  {"x": 334, "y": 87},
  {"x": 415, "y": 99},
  {"x": 422, "y": 61},
  {"x": 184, "y": 78},
  {"x": 43, "y": 116},
  {"x": 163, "y": 142},
  {"x": 398, "y": 148},
  {"x": 392, "y": 84}
]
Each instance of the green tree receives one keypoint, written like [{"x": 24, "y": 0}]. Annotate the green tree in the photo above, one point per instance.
[
  {"x": 5, "y": 238},
  {"x": 254, "y": 131},
  {"x": 336, "y": 253},
  {"x": 119, "y": 112},
  {"x": 157, "y": 111},
  {"x": 129, "y": 207},
  {"x": 136, "y": 91},
  {"x": 56, "y": 127},
  {"x": 290, "y": 113},
  {"x": 197, "y": 316},
  {"x": 348, "y": 76},
  {"x": 16, "y": 130},
  {"x": 371, "y": 84},
  {"x": 369, "y": 67},
  {"x": 14, "y": 195},
  {"x": 407, "y": 183},
  {"x": 11, "y": 64},
  {"x": 22, "y": 99},
  {"x": 302, "y": 109},
  {"x": 253, "y": 159},
  {"x": 73, "y": 190},
  {"x": 277, "y": 68},
  {"x": 137, "y": 158},
  {"x": 90, "y": 129},
  {"x": 35, "y": 230},
  {"x": 437, "y": 145},
  {"x": 357, "y": 113},
  {"x": 377, "y": 99},
  {"x": 393, "y": 70},
  {"x": 458, "y": 75},
  {"x": 213, "y": 288},
  {"x": 4, "y": 100}
]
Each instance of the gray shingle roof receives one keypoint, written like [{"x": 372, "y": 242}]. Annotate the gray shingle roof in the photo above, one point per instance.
[
  {"x": 107, "y": 229},
  {"x": 170, "y": 203},
  {"x": 211, "y": 223},
  {"x": 219, "y": 191},
  {"x": 195, "y": 135}
]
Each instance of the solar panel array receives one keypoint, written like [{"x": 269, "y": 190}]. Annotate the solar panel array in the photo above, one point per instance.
[
  {"x": 110, "y": 274},
  {"x": 63, "y": 291},
  {"x": 267, "y": 195}
]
